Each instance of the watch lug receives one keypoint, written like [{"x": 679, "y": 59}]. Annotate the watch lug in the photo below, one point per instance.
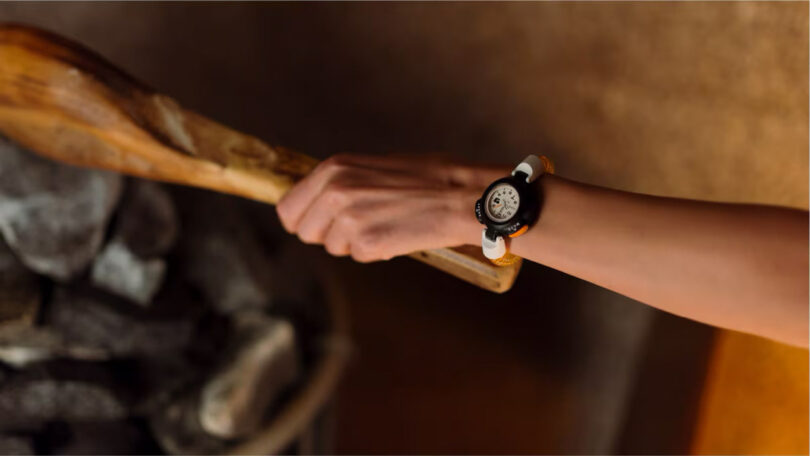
[
  {"x": 492, "y": 248},
  {"x": 532, "y": 166}
]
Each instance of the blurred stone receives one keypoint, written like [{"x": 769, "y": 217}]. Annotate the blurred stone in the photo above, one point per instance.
[
  {"x": 119, "y": 270},
  {"x": 147, "y": 226},
  {"x": 161, "y": 379},
  {"x": 29, "y": 403},
  {"x": 20, "y": 293},
  {"x": 16, "y": 445},
  {"x": 52, "y": 215},
  {"x": 300, "y": 278},
  {"x": 85, "y": 319},
  {"x": 20, "y": 347},
  {"x": 178, "y": 430},
  {"x": 112, "y": 437},
  {"x": 147, "y": 221},
  {"x": 223, "y": 258},
  {"x": 262, "y": 364},
  {"x": 219, "y": 270}
]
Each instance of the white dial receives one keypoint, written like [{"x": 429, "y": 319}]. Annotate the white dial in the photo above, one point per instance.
[{"x": 502, "y": 203}]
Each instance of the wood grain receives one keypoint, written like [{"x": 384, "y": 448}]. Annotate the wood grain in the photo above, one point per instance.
[{"x": 63, "y": 101}]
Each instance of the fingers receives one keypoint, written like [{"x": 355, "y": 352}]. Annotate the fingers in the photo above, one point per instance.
[
  {"x": 361, "y": 232},
  {"x": 404, "y": 235},
  {"x": 292, "y": 206},
  {"x": 386, "y": 239},
  {"x": 343, "y": 229},
  {"x": 397, "y": 226},
  {"x": 336, "y": 242},
  {"x": 336, "y": 176},
  {"x": 375, "y": 208},
  {"x": 318, "y": 217},
  {"x": 352, "y": 211}
]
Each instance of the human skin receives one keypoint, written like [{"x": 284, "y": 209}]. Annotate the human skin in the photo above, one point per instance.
[{"x": 736, "y": 266}]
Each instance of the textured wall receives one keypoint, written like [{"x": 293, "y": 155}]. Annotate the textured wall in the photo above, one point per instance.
[
  {"x": 704, "y": 100},
  {"x": 698, "y": 99}
]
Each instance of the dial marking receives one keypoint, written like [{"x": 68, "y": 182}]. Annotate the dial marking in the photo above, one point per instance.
[{"x": 502, "y": 203}]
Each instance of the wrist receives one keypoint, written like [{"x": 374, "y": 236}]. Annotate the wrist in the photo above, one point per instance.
[{"x": 467, "y": 230}]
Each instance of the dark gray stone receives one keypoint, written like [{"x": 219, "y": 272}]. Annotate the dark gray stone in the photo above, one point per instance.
[
  {"x": 29, "y": 403},
  {"x": 147, "y": 226},
  {"x": 119, "y": 270},
  {"x": 147, "y": 221},
  {"x": 261, "y": 365},
  {"x": 20, "y": 347},
  {"x": 85, "y": 319},
  {"x": 52, "y": 215},
  {"x": 178, "y": 431},
  {"x": 219, "y": 270},
  {"x": 102, "y": 438},
  {"x": 161, "y": 379},
  {"x": 16, "y": 445},
  {"x": 20, "y": 293},
  {"x": 224, "y": 259}
]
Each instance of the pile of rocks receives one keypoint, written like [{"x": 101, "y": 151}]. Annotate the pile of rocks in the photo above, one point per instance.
[{"x": 138, "y": 318}]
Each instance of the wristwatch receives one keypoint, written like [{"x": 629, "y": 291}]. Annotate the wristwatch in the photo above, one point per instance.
[{"x": 509, "y": 206}]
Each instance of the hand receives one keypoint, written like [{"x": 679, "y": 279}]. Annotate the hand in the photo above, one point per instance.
[{"x": 376, "y": 208}]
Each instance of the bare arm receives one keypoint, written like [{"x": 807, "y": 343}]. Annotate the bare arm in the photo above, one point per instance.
[{"x": 741, "y": 267}]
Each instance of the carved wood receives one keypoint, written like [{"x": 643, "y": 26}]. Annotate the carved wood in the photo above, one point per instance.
[{"x": 65, "y": 102}]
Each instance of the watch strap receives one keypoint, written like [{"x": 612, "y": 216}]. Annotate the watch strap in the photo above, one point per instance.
[
  {"x": 493, "y": 248},
  {"x": 532, "y": 166}
]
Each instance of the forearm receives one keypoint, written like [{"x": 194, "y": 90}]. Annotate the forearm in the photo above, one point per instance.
[{"x": 736, "y": 266}]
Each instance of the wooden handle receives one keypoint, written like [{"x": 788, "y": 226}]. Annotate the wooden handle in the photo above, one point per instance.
[{"x": 65, "y": 102}]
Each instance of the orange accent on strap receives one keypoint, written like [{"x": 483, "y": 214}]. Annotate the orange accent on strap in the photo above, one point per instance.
[
  {"x": 508, "y": 257},
  {"x": 506, "y": 260},
  {"x": 547, "y": 164},
  {"x": 519, "y": 232}
]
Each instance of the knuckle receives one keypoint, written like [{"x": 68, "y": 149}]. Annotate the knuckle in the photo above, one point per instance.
[
  {"x": 335, "y": 164},
  {"x": 308, "y": 236},
  {"x": 371, "y": 238},
  {"x": 283, "y": 209},
  {"x": 365, "y": 244},
  {"x": 305, "y": 239},
  {"x": 340, "y": 159},
  {"x": 285, "y": 217},
  {"x": 334, "y": 248},
  {"x": 361, "y": 257},
  {"x": 336, "y": 193},
  {"x": 350, "y": 220}
]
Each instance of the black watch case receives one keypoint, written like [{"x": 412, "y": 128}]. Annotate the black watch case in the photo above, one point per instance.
[{"x": 527, "y": 211}]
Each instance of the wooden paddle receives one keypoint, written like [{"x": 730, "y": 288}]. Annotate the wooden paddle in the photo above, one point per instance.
[{"x": 65, "y": 102}]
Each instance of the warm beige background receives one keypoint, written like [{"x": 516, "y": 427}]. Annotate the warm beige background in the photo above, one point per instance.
[
  {"x": 697, "y": 99},
  {"x": 703, "y": 100}
]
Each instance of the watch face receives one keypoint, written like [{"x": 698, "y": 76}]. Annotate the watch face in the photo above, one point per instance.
[{"x": 502, "y": 203}]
